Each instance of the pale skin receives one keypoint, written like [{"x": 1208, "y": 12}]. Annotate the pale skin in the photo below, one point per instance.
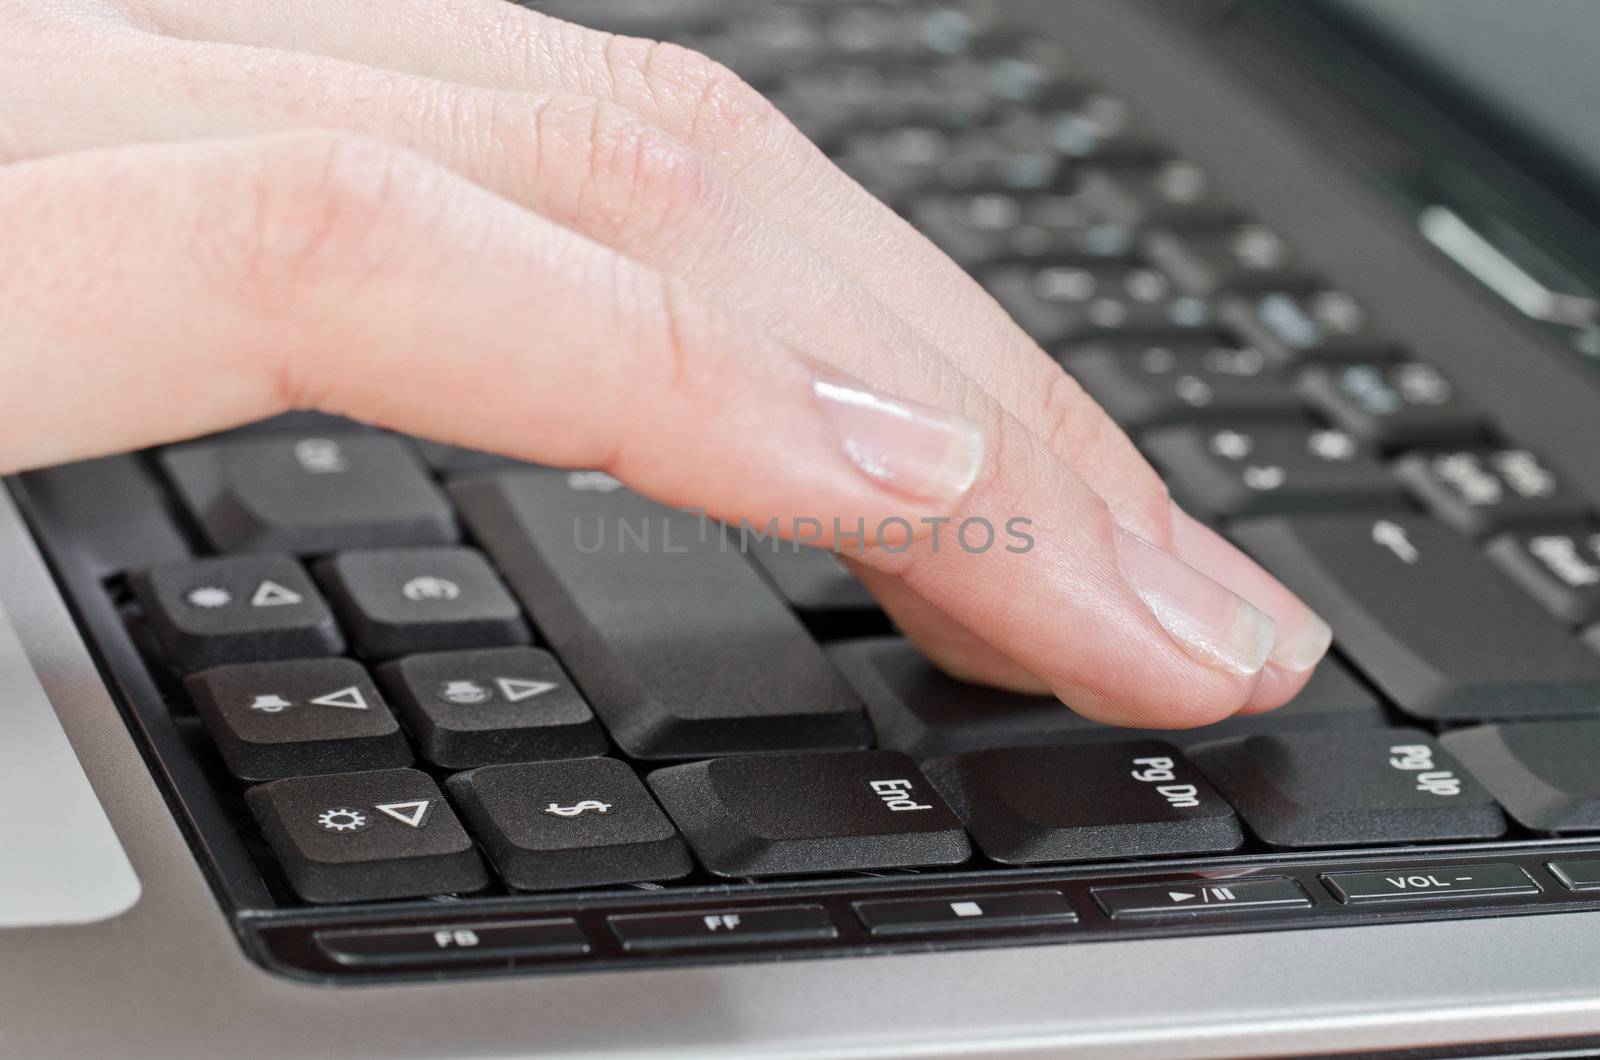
[{"x": 486, "y": 227}]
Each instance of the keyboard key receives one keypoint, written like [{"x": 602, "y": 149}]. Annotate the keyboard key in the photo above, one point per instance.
[
  {"x": 1391, "y": 406},
  {"x": 468, "y": 940},
  {"x": 1293, "y": 325},
  {"x": 1480, "y": 491},
  {"x": 1059, "y": 304},
  {"x": 917, "y": 709},
  {"x": 1093, "y": 125},
  {"x": 1427, "y": 618},
  {"x": 1143, "y": 384},
  {"x": 207, "y": 612},
  {"x": 1560, "y": 568},
  {"x": 309, "y": 494},
  {"x": 1576, "y": 875},
  {"x": 1328, "y": 789},
  {"x": 838, "y": 97},
  {"x": 1546, "y": 774},
  {"x": 587, "y": 822},
  {"x": 1189, "y": 898},
  {"x": 811, "y": 579},
  {"x": 399, "y": 601},
  {"x": 1032, "y": 805},
  {"x": 683, "y": 650},
  {"x": 355, "y": 837},
  {"x": 478, "y": 708},
  {"x": 285, "y": 719},
  {"x": 896, "y": 163},
  {"x": 1398, "y": 886},
  {"x": 977, "y": 912},
  {"x": 1242, "y": 470},
  {"x": 1207, "y": 261},
  {"x": 782, "y": 815},
  {"x": 728, "y": 928}
]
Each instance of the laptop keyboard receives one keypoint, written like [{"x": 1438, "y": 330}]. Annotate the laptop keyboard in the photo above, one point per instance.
[{"x": 425, "y": 708}]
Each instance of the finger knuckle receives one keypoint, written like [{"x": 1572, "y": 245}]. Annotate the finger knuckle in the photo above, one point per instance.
[
  {"x": 311, "y": 218},
  {"x": 636, "y": 180},
  {"x": 706, "y": 102}
]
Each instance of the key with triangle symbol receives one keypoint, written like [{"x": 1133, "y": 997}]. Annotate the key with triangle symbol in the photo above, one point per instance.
[
  {"x": 235, "y": 609},
  {"x": 474, "y": 708},
  {"x": 283, "y": 719}
]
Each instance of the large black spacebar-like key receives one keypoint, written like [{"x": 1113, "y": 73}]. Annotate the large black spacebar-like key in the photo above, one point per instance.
[
  {"x": 680, "y": 646},
  {"x": 1429, "y": 619}
]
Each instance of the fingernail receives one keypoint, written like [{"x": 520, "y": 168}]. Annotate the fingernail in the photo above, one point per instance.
[
  {"x": 1211, "y": 623},
  {"x": 1303, "y": 649},
  {"x": 908, "y": 447}
]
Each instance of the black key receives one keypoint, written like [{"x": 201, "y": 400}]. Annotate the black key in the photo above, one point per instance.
[
  {"x": 309, "y": 494},
  {"x": 398, "y": 601},
  {"x": 994, "y": 227},
  {"x": 1029, "y": 805},
  {"x": 1315, "y": 789},
  {"x": 1173, "y": 192},
  {"x": 581, "y": 823},
  {"x": 1188, "y": 898},
  {"x": 976, "y": 912},
  {"x": 682, "y": 649},
  {"x": 1479, "y": 491},
  {"x": 731, "y": 927},
  {"x": 1252, "y": 470},
  {"x": 479, "y": 708},
  {"x": 811, "y": 579},
  {"x": 1433, "y": 883},
  {"x": 1392, "y": 405},
  {"x": 781, "y": 815},
  {"x": 1143, "y": 384},
  {"x": 454, "y": 460},
  {"x": 1059, "y": 304},
  {"x": 468, "y": 940},
  {"x": 1427, "y": 618},
  {"x": 1546, "y": 774},
  {"x": 1576, "y": 875},
  {"x": 1207, "y": 261},
  {"x": 207, "y": 612},
  {"x": 917, "y": 709},
  {"x": 1560, "y": 568},
  {"x": 1292, "y": 325},
  {"x": 286, "y": 719},
  {"x": 355, "y": 837}
]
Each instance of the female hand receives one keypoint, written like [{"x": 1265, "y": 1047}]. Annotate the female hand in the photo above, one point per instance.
[{"x": 483, "y": 226}]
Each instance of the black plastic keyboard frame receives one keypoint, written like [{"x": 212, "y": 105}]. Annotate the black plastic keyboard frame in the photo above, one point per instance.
[{"x": 279, "y": 935}]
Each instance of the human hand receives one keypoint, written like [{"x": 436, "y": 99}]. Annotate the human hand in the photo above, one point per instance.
[{"x": 483, "y": 226}]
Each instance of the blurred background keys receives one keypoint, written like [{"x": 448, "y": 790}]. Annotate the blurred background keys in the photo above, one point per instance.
[
  {"x": 1392, "y": 405},
  {"x": 1136, "y": 799},
  {"x": 1331, "y": 789},
  {"x": 308, "y": 494},
  {"x": 1057, "y": 304},
  {"x": 1479, "y": 491},
  {"x": 1427, "y": 618},
  {"x": 779, "y": 815},
  {"x": 1247, "y": 469},
  {"x": 1148, "y": 384},
  {"x": 677, "y": 642},
  {"x": 1560, "y": 568}
]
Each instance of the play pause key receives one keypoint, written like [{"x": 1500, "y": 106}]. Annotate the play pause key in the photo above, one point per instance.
[
  {"x": 916, "y": 916},
  {"x": 1144, "y": 901}
]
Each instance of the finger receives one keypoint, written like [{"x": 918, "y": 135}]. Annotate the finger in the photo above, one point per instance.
[
  {"x": 764, "y": 157},
  {"x": 317, "y": 270}
]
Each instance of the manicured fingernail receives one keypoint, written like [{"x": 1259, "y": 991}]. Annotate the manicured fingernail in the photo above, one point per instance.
[
  {"x": 908, "y": 447},
  {"x": 1211, "y": 623},
  {"x": 1301, "y": 650}
]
